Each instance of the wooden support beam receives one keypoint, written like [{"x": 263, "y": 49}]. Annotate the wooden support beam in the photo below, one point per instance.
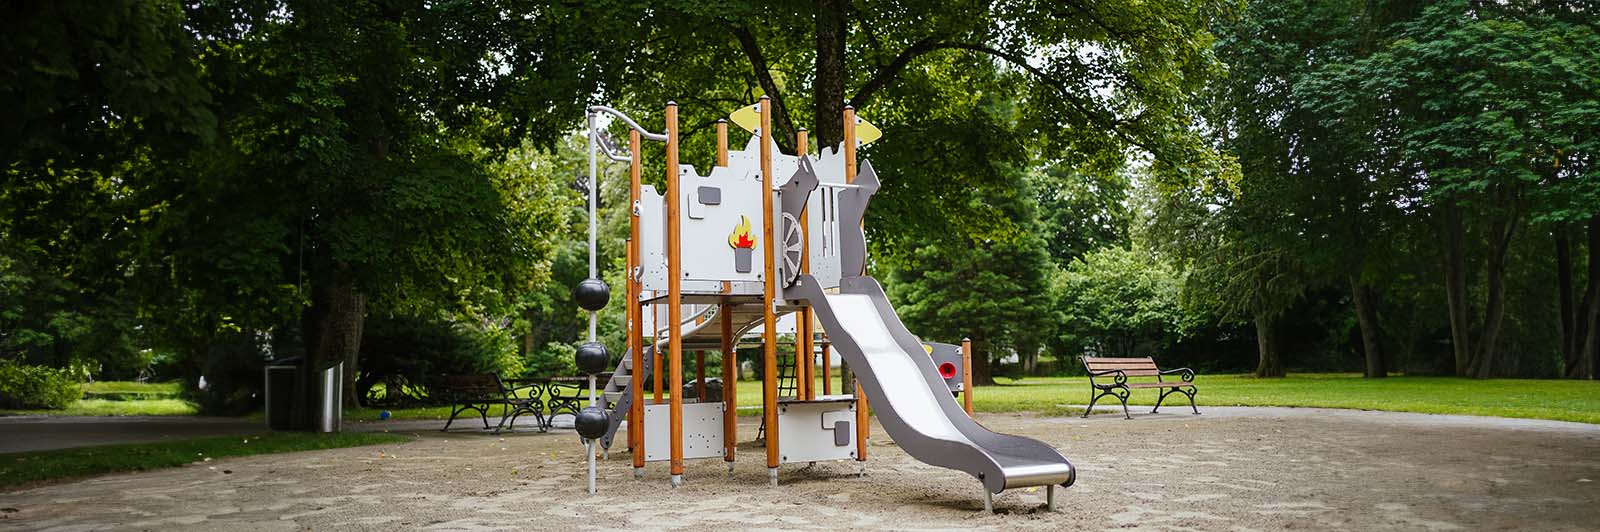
[
  {"x": 769, "y": 343},
  {"x": 849, "y": 178},
  {"x": 804, "y": 324},
  {"x": 827, "y": 380},
  {"x": 722, "y": 142},
  {"x": 966, "y": 375},
  {"x": 635, "y": 311},
  {"x": 674, "y": 295},
  {"x": 700, "y": 375}
]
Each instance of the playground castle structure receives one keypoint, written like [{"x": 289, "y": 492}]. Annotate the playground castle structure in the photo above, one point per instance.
[{"x": 760, "y": 235}]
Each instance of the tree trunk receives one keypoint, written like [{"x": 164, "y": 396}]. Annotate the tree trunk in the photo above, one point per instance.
[
  {"x": 982, "y": 367},
  {"x": 1271, "y": 364},
  {"x": 1455, "y": 285},
  {"x": 1591, "y": 303},
  {"x": 1571, "y": 348},
  {"x": 339, "y": 316},
  {"x": 1365, "y": 298},
  {"x": 1494, "y": 311},
  {"x": 829, "y": 85}
]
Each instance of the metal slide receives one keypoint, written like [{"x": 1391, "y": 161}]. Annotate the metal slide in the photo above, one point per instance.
[{"x": 911, "y": 400}]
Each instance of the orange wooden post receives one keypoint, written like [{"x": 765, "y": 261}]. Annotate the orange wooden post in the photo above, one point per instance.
[
  {"x": 730, "y": 380},
  {"x": 722, "y": 142},
  {"x": 635, "y": 313},
  {"x": 807, "y": 366},
  {"x": 827, "y": 380},
  {"x": 850, "y": 177},
  {"x": 674, "y": 296},
  {"x": 655, "y": 351},
  {"x": 966, "y": 375},
  {"x": 769, "y": 337},
  {"x": 700, "y": 375}
]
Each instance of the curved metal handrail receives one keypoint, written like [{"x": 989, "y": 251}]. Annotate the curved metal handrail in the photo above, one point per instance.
[{"x": 645, "y": 133}]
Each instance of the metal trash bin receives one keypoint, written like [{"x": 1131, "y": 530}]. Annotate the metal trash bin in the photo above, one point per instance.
[
  {"x": 286, "y": 394},
  {"x": 330, "y": 398}
]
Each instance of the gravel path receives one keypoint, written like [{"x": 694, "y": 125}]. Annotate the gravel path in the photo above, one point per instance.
[{"x": 1233, "y": 469}]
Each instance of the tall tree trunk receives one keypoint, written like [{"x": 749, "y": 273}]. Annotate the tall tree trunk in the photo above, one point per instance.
[
  {"x": 982, "y": 368},
  {"x": 1271, "y": 364},
  {"x": 1571, "y": 348},
  {"x": 1590, "y": 326},
  {"x": 829, "y": 85},
  {"x": 1365, "y": 298},
  {"x": 339, "y": 316},
  {"x": 1494, "y": 311},
  {"x": 1455, "y": 285}
]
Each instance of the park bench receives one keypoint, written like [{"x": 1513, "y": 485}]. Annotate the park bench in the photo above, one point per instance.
[
  {"x": 1109, "y": 376},
  {"x": 481, "y": 392}
]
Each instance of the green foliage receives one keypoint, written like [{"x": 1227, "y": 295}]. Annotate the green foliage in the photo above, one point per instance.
[
  {"x": 1118, "y": 301},
  {"x": 994, "y": 291},
  {"x": 25, "y": 387},
  {"x": 407, "y": 354}
]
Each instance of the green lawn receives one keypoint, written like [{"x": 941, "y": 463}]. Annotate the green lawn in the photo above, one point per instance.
[
  {"x": 122, "y": 398},
  {"x": 1565, "y": 400},
  {"x": 27, "y": 468}
]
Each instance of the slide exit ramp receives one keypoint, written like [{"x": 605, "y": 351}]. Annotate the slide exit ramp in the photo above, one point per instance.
[{"x": 911, "y": 399}]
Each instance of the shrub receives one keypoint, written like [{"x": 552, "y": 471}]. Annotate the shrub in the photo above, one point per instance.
[{"x": 23, "y": 386}]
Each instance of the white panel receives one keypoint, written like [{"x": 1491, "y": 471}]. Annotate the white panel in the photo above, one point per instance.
[
  {"x": 706, "y": 253},
  {"x": 702, "y": 431},
  {"x": 805, "y": 431},
  {"x": 652, "y": 239}
]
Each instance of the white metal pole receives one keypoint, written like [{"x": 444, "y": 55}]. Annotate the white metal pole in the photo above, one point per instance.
[{"x": 594, "y": 187}]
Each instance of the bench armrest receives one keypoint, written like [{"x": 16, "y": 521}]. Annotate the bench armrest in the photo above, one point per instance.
[
  {"x": 1185, "y": 373},
  {"x": 1119, "y": 377}
]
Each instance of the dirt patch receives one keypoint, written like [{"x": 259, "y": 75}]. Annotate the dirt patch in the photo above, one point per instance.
[{"x": 1232, "y": 469}]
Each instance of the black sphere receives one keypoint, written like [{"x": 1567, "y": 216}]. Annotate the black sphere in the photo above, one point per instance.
[
  {"x": 592, "y": 422},
  {"x": 592, "y": 357},
  {"x": 592, "y": 294}
]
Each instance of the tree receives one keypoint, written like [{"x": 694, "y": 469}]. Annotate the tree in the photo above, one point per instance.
[
  {"x": 1119, "y": 301},
  {"x": 1521, "y": 87},
  {"x": 994, "y": 291},
  {"x": 1093, "y": 81},
  {"x": 1323, "y": 191}
]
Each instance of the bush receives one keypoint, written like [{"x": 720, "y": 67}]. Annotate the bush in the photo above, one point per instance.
[
  {"x": 23, "y": 386},
  {"x": 403, "y": 355}
]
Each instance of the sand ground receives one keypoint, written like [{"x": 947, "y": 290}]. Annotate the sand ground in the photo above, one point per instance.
[{"x": 1233, "y": 469}]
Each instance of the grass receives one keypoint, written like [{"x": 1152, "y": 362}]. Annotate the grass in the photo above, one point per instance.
[
  {"x": 122, "y": 398},
  {"x": 20, "y": 469},
  {"x": 1563, "y": 400},
  {"x": 130, "y": 387}
]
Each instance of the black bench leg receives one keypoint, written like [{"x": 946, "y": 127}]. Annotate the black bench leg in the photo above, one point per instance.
[
  {"x": 453, "y": 413},
  {"x": 1093, "y": 397},
  {"x": 1164, "y": 392},
  {"x": 1191, "y": 393},
  {"x": 483, "y": 413},
  {"x": 1124, "y": 397}
]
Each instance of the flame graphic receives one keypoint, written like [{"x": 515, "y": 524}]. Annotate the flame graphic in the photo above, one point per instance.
[{"x": 740, "y": 237}]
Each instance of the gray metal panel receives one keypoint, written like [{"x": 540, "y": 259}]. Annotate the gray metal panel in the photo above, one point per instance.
[
  {"x": 852, "y": 235},
  {"x": 940, "y": 433}
]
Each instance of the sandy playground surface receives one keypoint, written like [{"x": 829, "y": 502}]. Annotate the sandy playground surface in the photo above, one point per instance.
[{"x": 1233, "y": 469}]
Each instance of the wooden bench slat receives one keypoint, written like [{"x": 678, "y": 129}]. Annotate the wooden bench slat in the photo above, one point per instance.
[
  {"x": 1115, "y": 360},
  {"x": 1173, "y": 384},
  {"x": 1103, "y": 367}
]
